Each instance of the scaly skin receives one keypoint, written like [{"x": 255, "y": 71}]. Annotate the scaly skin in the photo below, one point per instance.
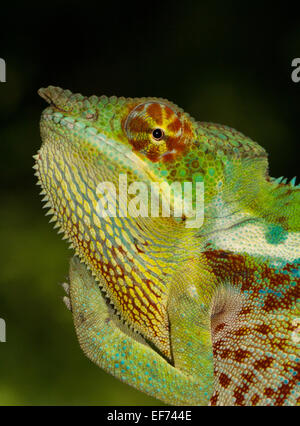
[{"x": 188, "y": 315}]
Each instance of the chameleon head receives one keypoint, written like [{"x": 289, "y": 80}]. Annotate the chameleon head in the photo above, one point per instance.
[
  {"x": 87, "y": 141},
  {"x": 155, "y": 130},
  {"x": 150, "y": 139}
]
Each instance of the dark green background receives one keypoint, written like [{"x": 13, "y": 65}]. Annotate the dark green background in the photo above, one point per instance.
[{"x": 218, "y": 60}]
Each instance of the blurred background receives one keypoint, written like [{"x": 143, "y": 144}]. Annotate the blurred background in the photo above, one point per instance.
[{"x": 218, "y": 60}]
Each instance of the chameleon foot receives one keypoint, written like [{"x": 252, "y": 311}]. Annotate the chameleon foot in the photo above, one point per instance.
[{"x": 123, "y": 353}]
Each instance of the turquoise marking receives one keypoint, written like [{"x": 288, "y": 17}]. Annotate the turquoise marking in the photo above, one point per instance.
[{"x": 275, "y": 234}]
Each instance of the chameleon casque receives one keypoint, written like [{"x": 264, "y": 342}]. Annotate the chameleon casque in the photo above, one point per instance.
[{"x": 191, "y": 316}]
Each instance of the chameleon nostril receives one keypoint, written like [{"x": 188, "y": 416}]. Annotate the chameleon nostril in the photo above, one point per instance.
[
  {"x": 50, "y": 93},
  {"x": 56, "y": 97}
]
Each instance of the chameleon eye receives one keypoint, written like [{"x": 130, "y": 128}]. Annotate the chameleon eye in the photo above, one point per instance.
[
  {"x": 157, "y": 130},
  {"x": 158, "y": 134}
]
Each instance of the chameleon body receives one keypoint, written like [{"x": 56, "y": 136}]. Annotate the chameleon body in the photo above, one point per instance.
[{"x": 190, "y": 315}]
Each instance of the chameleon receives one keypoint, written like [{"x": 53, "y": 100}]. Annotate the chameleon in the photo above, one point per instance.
[{"x": 205, "y": 315}]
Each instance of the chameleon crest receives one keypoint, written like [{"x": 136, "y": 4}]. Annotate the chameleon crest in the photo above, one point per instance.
[{"x": 194, "y": 316}]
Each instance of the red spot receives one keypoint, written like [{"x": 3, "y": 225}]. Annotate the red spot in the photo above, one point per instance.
[
  {"x": 175, "y": 125},
  {"x": 240, "y": 355},
  {"x": 239, "y": 397},
  {"x": 269, "y": 392},
  {"x": 263, "y": 364},
  {"x": 272, "y": 302},
  {"x": 239, "y": 393},
  {"x": 255, "y": 399},
  {"x": 245, "y": 311},
  {"x": 219, "y": 327},
  {"x": 224, "y": 380},
  {"x": 169, "y": 112},
  {"x": 154, "y": 155},
  {"x": 187, "y": 129},
  {"x": 137, "y": 125},
  {"x": 155, "y": 111},
  {"x": 214, "y": 398},
  {"x": 242, "y": 331},
  {"x": 263, "y": 329},
  {"x": 139, "y": 144},
  {"x": 280, "y": 344},
  {"x": 175, "y": 144},
  {"x": 248, "y": 377},
  {"x": 225, "y": 354}
]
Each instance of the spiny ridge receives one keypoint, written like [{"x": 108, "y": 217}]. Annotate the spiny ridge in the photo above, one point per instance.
[{"x": 282, "y": 180}]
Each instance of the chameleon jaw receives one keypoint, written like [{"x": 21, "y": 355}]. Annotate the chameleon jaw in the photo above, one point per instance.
[{"x": 58, "y": 202}]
